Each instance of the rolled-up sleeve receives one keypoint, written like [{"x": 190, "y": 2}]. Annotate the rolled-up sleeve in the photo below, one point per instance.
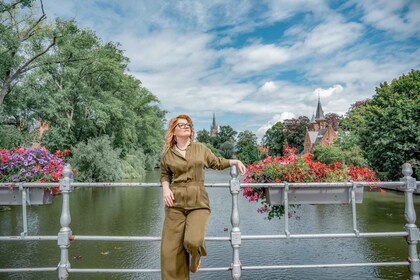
[{"x": 214, "y": 162}]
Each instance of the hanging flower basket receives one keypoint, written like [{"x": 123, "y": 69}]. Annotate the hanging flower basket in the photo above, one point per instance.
[
  {"x": 296, "y": 168},
  {"x": 30, "y": 165},
  {"x": 34, "y": 196},
  {"x": 313, "y": 195}
]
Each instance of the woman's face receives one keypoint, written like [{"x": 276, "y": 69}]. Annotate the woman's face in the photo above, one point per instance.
[{"x": 182, "y": 128}]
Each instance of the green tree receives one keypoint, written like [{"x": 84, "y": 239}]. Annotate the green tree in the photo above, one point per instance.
[
  {"x": 333, "y": 119},
  {"x": 225, "y": 134},
  {"x": 246, "y": 147},
  {"x": 86, "y": 94},
  {"x": 331, "y": 154},
  {"x": 274, "y": 139},
  {"x": 389, "y": 133},
  {"x": 96, "y": 160},
  {"x": 203, "y": 136},
  {"x": 226, "y": 149},
  {"x": 25, "y": 40},
  {"x": 295, "y": 131}
]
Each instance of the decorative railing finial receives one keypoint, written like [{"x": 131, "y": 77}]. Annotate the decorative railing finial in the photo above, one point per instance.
[{"x": 407, "y": 170}]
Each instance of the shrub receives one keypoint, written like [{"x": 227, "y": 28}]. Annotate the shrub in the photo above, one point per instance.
[
  {"x": 54, "y": 139},
  {"x": 133, "y": 165},
  {"x": 97, "y": 161},
  {"x": 11, "y": 136}
]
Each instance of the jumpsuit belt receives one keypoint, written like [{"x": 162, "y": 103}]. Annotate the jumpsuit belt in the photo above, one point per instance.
[{"x": 188, "y": 184}]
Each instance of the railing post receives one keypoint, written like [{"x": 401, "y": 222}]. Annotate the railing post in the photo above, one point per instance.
[
  {"x": 65, "y": 219},
  {"x": 410, "y": 215},
  {"x": 235, "y": 234},
  {"x": 286, "y": 209},
  {"x": 353, "y": 207},
  {"x": 24, "y": 212}
]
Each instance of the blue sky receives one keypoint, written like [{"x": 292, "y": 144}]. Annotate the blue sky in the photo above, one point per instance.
[{"x": 256, "y": 62}]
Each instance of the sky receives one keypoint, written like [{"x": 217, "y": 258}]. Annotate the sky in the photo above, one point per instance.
[{"x": 255, "y": 62}]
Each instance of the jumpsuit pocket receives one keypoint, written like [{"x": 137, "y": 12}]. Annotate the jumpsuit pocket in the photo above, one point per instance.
[
  {"x": 203, "y": 198},
  {"x": 178, "y": 197}
]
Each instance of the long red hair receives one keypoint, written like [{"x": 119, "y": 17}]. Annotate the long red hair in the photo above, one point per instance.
[{"x": 170, "y": 139}]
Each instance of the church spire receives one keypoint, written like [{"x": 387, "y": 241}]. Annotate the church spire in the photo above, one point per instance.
[
  {"x": 319, "y": 112},
  {"x": 213, "y": 129}
]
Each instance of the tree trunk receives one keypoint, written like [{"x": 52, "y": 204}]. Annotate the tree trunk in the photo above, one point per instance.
[{"x": 3, "y": 93}]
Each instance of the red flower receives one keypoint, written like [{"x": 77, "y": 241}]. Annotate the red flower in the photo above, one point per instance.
[
  {"x": 295, "y": 168},
  {"x": 5, "y": 158}
]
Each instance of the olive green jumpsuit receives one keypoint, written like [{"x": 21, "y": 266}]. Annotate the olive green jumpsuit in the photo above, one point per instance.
[{"x": 185, "y": 224}]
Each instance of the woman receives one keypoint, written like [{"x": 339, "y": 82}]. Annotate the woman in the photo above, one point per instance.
[{"x": 187, "y": 205}]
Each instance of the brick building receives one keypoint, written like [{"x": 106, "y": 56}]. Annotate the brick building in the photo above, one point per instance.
[{"x": 319, "y": 132}]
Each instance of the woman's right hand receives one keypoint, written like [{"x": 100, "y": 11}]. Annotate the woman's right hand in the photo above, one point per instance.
[{"x": 168, "y": 196}]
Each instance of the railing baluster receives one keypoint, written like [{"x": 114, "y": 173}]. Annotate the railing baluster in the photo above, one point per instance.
[
  {"x": 286, "y": 209},
  {"x": 353, "y": 208},
  {"x": 24, "y": 213},
  {"x": 65, "y": 219},
  {"x": 235, "y": 234},
  {"x": 410, "y": 215}
]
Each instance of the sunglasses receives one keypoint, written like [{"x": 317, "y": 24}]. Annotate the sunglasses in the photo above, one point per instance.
[{"x": 184, "y": 125}]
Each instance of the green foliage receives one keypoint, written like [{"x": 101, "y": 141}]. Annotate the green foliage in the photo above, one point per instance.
[
  {"x": 226, "y": 149},
  {"x": 226, "y": 134},
  {"x": 328, "y": 154},
  {"x": 152, "y": 161},
  {"x": 96, "y": 160},
  {"x": 389, "y": 130},
  {"x": 331, "y": 154},
  {"x": 275, "y": 139},
  {"x": 346, "y": 139},
  {"x": 11, "y": 137},
  {"x": 295, "y": 131},
  {"x": 55, "y": 139},
  {"x": 25, "y": 40},
  {"x": 249, "y": 154},
  {"x": 334, "y": 120},
  {"x": 133, "y": 165},
  {"x": 246, "y": 147},
  {"x": 79, "y": 86},
  {"x": 203, "y": 136}
]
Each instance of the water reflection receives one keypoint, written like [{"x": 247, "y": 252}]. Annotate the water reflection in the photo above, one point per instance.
[{"x": 139, "y": 212}]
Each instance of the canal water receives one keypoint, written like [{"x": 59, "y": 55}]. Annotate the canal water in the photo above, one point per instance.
[{"x": 139, "y": 212}]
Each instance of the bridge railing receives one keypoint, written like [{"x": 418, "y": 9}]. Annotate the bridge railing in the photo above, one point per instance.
[{"x": 64, "y": 237}]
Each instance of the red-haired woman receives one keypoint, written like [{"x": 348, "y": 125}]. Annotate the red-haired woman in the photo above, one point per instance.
[{"x": 187, "y": 204}]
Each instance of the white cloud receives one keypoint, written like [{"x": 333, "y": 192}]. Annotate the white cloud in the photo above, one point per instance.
[
  {"x": 274, "y": 119},
  {"x": 280, "y": 10},
  {"x": 332, "y": 35},
  {"x": 256, "y": 57},
  {"x": 328, "y": 92},
  {"x": 269, "y": 87},
  {"x": 401, "y": 18}
]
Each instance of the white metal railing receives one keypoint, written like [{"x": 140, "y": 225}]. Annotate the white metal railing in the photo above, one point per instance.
[{"x": 65, "y": 235}]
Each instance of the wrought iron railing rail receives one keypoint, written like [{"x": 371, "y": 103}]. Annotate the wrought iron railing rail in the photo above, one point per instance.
[{"x": 65, "y": 236}]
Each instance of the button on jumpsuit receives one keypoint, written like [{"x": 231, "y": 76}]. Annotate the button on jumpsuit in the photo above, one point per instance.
[{"x": 186, "y": 221}]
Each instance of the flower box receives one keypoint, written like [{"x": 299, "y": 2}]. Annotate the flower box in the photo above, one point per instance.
[
  {"x": 34, "y": 196},
  {"x": 313, "y": 195}
]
